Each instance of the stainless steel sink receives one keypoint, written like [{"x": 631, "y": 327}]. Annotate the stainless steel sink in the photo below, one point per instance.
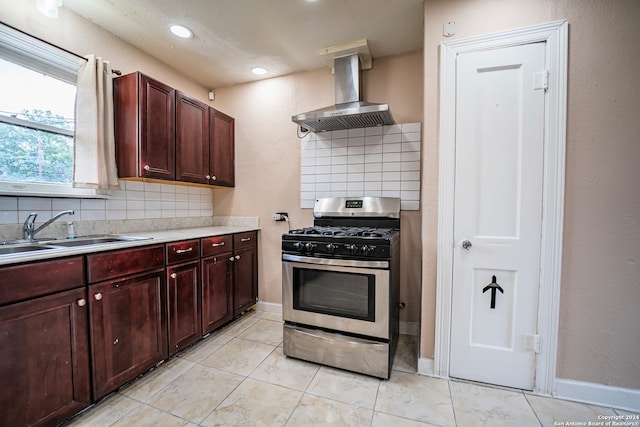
[
  {"x": 94, "y": 240},
  {"x": 8, "y": 250},
  {"x": 25, "y": 247}
]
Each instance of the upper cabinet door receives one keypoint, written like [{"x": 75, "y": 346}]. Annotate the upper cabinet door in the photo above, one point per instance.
[
  {"x": 144, "y": 113},
  {"x": 192, "y": 140},
  {"x": 222, "y": 140}
]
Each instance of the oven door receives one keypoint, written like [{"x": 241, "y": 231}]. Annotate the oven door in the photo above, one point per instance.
[{"x": 340, "y": 295}]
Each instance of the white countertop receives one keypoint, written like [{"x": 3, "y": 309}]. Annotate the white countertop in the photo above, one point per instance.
[{"x": 153, "y": 237}]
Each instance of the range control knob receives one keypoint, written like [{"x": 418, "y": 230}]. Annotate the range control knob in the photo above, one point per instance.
[
  {"x": 353, "y": 249},
  {"x": 331, "y": 248},
  {"x": 309, "y": 246},
  {"x": 367, "y": 249},
  {"x": 298, "y": 246}
]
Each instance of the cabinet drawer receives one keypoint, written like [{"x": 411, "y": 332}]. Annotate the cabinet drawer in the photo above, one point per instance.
[
  {"x": 183, "y": 251},
  {"x": 109, "y": 265},
  {"x": 244, "y": 240},
  {"x": 217, "y": 245},
  {"x": 24, "y": 281}
]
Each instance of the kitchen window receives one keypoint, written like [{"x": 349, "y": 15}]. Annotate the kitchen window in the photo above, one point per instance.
[{"x": 38, "y": 86}]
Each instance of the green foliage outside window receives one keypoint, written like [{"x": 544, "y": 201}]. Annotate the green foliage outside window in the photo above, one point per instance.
[{"x": 33, "y": 155}]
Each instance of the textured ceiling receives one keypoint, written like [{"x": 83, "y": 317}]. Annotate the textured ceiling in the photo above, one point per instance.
[{"x": 232, "y": 36}]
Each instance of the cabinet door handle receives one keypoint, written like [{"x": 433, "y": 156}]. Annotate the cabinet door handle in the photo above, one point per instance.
[
  {"x": 208, "y": 176},
  {"x": 181, "y": 251},
  {"x": 146, "y": 167},
  {"x": 245, "y": 240},
  {"x": 215, "y": 245},
  {"x": 174, "y": 275},
  {"x": 237, "y": 256},
  {"x": 98, "y": 296},
  {"x": 231, "y": 259},
  {"x": 82, "y": 302},
  {"x": 213, "y": 178}
]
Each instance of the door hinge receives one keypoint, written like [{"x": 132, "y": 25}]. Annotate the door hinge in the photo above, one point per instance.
[
  {"x": 532, "y": 342},
  {"x": 541, "y": 80}
]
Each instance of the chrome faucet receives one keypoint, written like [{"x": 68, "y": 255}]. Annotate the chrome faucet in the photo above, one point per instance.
[{"x": 29, "y": 229}]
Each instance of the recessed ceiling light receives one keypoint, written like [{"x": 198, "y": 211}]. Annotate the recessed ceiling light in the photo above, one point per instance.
[
  {"x": 181, "y": 31},
  {"x": 48, "y": 7},
  {"x": 259, "y": 70}
]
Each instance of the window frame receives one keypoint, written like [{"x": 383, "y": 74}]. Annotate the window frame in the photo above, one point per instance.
[{"x": 30, "y": 52}]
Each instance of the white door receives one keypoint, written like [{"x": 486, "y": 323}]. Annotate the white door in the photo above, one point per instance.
[{"x": 500, "y": 100}]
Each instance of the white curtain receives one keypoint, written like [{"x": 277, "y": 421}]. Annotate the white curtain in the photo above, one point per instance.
[{"x": 95, "y": 155}]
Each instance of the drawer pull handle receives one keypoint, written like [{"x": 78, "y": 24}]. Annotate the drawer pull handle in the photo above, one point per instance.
[
  {"x": 98, "y": 296},
  {"x": 174, "y": 275},
  {"x": 215, "y": 245},
  {"x": 237, "y": 256},
  {"x": 231, "y": 259},
  {"x": 245, "y": 240},
  {"x": 82, "y": 302},
  {"x": 181, "y": 251}
]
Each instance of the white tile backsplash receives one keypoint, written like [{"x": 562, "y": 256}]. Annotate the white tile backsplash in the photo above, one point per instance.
[
  {"x": 376, "y": 161},
  {"x": 137, "y": 200}
]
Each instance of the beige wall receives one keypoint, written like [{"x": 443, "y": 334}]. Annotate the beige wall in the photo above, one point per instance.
[
  {"x": 599, "y": 315},
  {"x": 268, "y": 158}
]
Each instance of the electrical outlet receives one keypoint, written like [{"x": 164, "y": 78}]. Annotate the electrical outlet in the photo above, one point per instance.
[{"x": 280, "y": 216}]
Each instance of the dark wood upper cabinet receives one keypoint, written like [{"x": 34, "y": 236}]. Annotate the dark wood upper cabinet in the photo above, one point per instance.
[
  {"x": 164, "y": 134},
  {"x": 192, "y": 140},
  {"x": 222, "y": 147},
  {"x": 144, "y": 118}
]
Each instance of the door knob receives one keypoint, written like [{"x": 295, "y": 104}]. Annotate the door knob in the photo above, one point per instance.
[{"x": 466, "y": 244}]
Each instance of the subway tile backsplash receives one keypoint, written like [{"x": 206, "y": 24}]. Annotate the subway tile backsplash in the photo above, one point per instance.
[
  {"x": 376, "y": 161},
  {"x": 137, "y": 200}
]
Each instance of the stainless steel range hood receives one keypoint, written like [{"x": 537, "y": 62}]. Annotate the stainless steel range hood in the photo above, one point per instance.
[{"x": 349, "y": 111}]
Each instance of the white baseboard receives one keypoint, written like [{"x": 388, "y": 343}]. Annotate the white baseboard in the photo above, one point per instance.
[
  {"x": 269, "y": 307},
  {"x": 598, "y": 394},
  {"x": 425, "y": 367}
]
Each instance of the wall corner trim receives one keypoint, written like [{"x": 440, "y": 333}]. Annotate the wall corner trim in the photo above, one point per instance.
[
  {"x": 598, "y": 394},
  {"x": 425, "y": 367}
]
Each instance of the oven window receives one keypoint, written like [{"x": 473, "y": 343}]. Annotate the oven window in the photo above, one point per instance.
[{"x": 334, "y": 293}]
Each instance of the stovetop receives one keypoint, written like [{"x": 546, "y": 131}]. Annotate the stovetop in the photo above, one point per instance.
[
  {"x": 348, "y": 228},
  {"x": 345, "y": 242},
  {"x": 345, "y": 231}
]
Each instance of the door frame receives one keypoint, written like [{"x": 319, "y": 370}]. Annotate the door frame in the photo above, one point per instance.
[{"x": 555, "y": 35}]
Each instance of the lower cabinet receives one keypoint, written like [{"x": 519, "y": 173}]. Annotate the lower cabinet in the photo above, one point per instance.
[
  {"x": 73, "y": 330},
  {"x": 128, "y": 315},
  {"x": 44, "y": 355},
  {"x": 183, "y": 300},
  {"x": 217, "y": 282},
  {"x": 245, "y": 271}
]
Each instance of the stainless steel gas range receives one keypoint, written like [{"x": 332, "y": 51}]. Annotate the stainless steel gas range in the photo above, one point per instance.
[{"x": 340, "y": 285}]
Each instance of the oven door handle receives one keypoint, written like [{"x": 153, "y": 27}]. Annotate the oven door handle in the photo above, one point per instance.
[{"x": 335, "y": 262}]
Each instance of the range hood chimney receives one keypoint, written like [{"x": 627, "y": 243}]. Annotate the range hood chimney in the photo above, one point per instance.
[{"x": 349, "y": 111}]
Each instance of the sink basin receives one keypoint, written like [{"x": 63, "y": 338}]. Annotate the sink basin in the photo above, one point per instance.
[
  {"x": 8, "y": 250},
  {"x": 86, "y": 241},
  {"x": 24, "y": 247}
]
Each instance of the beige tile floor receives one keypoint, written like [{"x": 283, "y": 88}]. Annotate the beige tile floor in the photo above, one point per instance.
[{"x": 240, "y": 377}]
